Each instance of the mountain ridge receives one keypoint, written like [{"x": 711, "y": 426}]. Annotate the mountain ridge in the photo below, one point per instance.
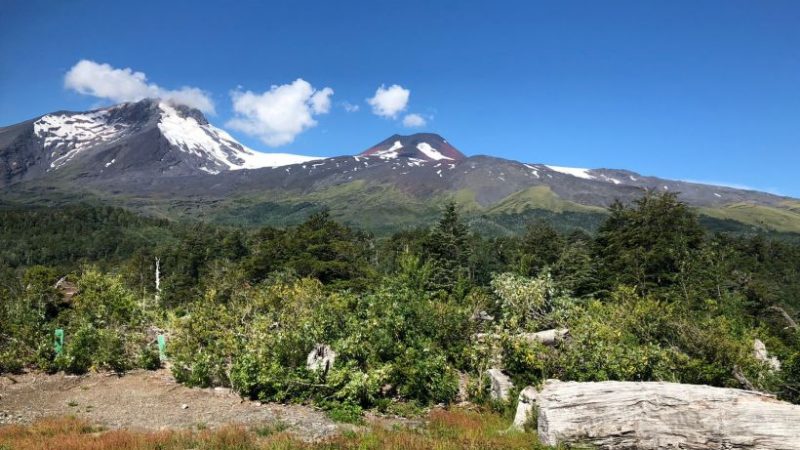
[{"x": 154, "y": 153}]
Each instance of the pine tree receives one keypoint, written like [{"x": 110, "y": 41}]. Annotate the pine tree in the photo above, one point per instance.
[{"x": 448, "y": 248}]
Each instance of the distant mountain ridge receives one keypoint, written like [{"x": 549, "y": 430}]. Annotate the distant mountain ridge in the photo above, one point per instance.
[{"x": 169, "y": 160}]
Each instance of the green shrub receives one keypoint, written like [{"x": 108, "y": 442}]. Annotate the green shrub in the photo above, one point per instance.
[
  {"x": 424, "y": 375},
  {"x": 110, "y": 352},
  {"x": 79, "y": 350},
  {"x": 149, "y": 358},
  {"x": 344, "y": 412},
  {"x": 10, "y": 360}
]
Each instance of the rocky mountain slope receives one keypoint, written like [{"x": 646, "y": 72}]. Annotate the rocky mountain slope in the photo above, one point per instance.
[
  {"x": 169, "y": 160},
  {"x": 145, "y": 139}
]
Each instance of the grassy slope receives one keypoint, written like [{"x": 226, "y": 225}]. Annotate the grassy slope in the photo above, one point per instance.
[
  {"x": 765, "y": 217},
  {"x": 385, "y": 209},
  {"x": 539, "y": 197}
]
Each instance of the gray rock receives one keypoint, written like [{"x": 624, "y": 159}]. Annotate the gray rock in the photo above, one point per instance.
[
  {"x": 501, "y": 384},
  {"x": 525, "y": 406}
]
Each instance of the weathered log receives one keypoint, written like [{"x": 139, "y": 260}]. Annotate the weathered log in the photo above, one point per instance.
[
  {"x": 656, "y": 415},
  {"x": 550, "y": 338}
]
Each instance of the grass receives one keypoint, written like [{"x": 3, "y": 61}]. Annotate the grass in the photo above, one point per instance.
[
  {"x": 777, "y": 219},
  {"x": 539, "y": 197},
  {"x": 443, "y": 430}
]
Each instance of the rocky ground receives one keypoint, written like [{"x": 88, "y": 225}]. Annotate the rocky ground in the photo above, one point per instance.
[{"x": 146, "y": 401}]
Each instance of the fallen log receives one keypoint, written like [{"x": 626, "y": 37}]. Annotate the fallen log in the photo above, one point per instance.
[
  {"x": 548, "y": 338},
  {"x": 655, "y": 415}
]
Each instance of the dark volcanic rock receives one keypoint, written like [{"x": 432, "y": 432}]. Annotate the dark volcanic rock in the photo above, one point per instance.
[{"x": 425, "y": 146}]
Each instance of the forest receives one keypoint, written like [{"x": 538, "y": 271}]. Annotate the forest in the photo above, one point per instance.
[{"x": 652, "y": 295}]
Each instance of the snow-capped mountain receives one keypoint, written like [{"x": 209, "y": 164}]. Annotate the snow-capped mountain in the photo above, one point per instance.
[
  {"x": 156, "y": 152},
  {"x": 420, "y": 146},
  {"x": 149, "y": 137}
]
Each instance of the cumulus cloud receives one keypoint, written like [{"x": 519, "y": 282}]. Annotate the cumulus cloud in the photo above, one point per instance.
[
  {"x": 321, "y": 101},
  {"x": 278, "y": 115},
  {"x": 349, "y": 107},
  {"x": 388, "y": 102},
  {"x": 124, "y": 85},
  {"x": 414, "y": 121}
]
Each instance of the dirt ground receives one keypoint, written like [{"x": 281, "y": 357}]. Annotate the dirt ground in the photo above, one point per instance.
[{"x": 143, "y": 400}]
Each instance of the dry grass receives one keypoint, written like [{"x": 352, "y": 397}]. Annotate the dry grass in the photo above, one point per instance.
[{"x": 453, "y": 429}]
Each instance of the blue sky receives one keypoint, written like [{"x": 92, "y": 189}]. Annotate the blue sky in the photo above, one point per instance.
[{"x": 694, "y": 90}]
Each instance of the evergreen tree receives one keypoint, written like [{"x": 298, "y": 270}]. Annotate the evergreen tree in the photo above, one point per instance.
[
  {"x": 447, "y": 247},
  {"x": 540, "y": 247},
  {"x": 649, "y": 243}
]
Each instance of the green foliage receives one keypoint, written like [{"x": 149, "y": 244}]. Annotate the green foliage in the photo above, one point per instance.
[
  {"x": 202, "y": 344},
  {"x": 319, "y": 248},
  {"x": 149, "y": 358},
  {"x": 104, "y": 300},
  {"x": 648, "y": 245},
  {"x": 110, "y": 353},
  {"x": 650, "y": 297},
  {"x": 523, "y": 302},
  {"x": 447, "y": 247},
  {"x": 345, "y": 412},
  {"x": 79, "y": 350},
  {"x": 70, "y": 234}
]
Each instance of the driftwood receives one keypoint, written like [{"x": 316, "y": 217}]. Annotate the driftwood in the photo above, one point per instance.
[
  {"x": 654, "y": 415},
  {"x": 549, "y": 338}
]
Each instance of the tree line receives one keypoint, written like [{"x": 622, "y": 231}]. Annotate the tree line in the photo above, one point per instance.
[{"x": 651, "y": 296}]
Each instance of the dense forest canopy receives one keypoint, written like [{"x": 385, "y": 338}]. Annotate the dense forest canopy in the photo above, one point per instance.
[{"x": 653, "y": 295}]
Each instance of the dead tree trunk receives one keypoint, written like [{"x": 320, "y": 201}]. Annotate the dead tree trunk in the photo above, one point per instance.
[{"x": 655, "y": 415}]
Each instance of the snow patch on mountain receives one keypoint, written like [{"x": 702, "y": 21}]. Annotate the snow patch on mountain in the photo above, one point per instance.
[
  {"x": 574, "y": 171},
  {"x": 431, "y": 152},
  {"x": 66, "y": 135},
  {"x": 212, "y": 143},
  {"x": 391, "y": 152}
]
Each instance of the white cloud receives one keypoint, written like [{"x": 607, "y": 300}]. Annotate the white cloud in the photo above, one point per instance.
[
  {"x": 124, "y": 85},
  {"x": 387, "y": 102},
  {"x": 278, "y": 115},
  {"x": 321, "y": 101},
  {"x": 349, "y": 107},
  {"x": 414, "y": 121}
]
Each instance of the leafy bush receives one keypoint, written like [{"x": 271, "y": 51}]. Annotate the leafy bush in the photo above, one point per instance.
[
  {"x": 344, "y": 412},
  {"x": 79, "y": 350},
  {"x": 149, "y": 359},
  {"x": 111, "y": 352},
  {"x": 522, "y": 302}
]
